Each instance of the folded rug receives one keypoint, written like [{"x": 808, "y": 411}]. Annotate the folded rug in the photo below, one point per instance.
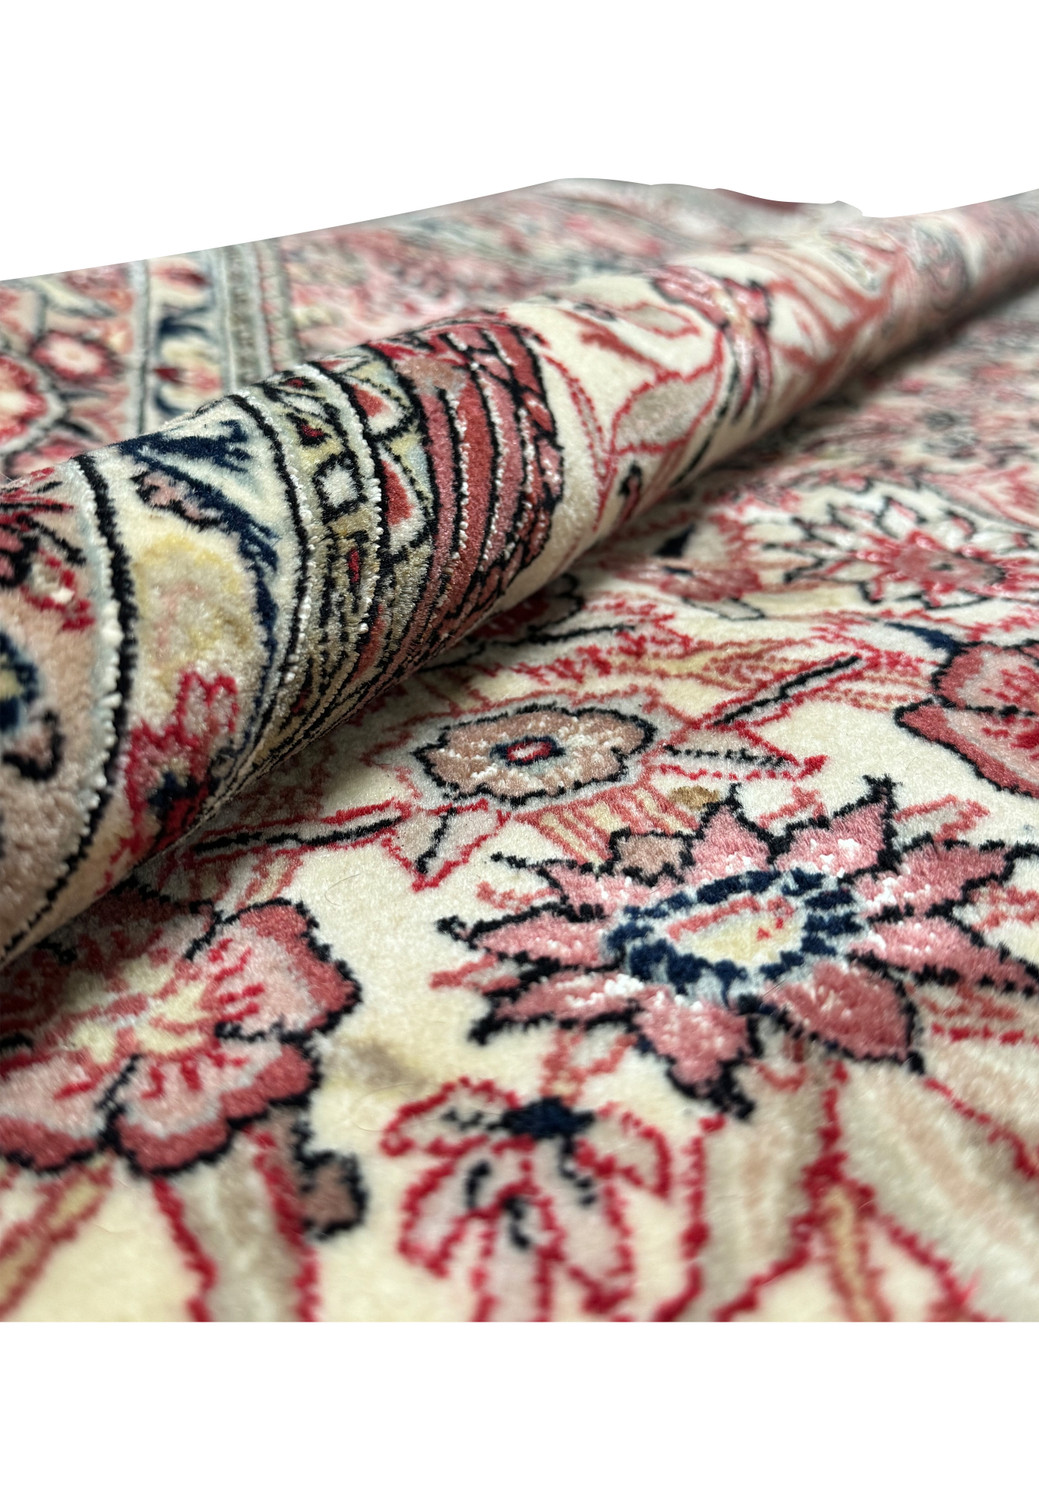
[{"x": 455, "y": 860}]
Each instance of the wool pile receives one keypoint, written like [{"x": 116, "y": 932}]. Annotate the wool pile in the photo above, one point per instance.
[{"x": 519, "y": 742}]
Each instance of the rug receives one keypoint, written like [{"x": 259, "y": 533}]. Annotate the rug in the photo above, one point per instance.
[{"x": 517, "y": 756}]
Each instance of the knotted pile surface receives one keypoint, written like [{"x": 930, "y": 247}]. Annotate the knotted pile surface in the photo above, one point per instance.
[{"x": 519, "y": 759}]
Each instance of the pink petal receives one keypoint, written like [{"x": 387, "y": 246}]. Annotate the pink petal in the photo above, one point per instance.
[
  {"x": 986, "y": 676},
  {"x": 546, "y": 934},
  {"x": 1004, "y": 751},
  {"x": 298, "y": 987},
  {"x": 727, "y": 848},
  {"x": 606, "y": 892},
  {"x": 52, "y": 1110},
  {"x": 853, "y": 841},
  {"x": 574, "y": 997},
  {"x": 173, "y": 1112},
  {"x": 849, "y": 1007},
  {"x": 931, "y": 875},
  {"x": 922, "y": 943},
  {"x": 698, "y": 1042}
]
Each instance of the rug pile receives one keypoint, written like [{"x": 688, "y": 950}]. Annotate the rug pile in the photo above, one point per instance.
[{"x": 519, "y": 748}]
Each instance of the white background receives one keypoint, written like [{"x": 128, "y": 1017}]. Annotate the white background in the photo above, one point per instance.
[
  {"x": 140, "y": 129},
  {"x": 167, "y": 125}
]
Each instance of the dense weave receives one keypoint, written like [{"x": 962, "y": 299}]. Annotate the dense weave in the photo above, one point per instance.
[{"x": 491, "y": 822}]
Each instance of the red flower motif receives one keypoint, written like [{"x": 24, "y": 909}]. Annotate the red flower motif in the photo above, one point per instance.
[
  {"x": 541, "y": 1184},
  {"x": 899, "y": 543},
  {"x": 79, "y": 361},
  {"x": 981, "y": 711},
  {"x": 35, "y": 555},
  {"x": 170, "y": 771},
  {"x": 155, "y": 1029},
  {"x": 21, "y": 401},
  {"x": 18, "y": 542},
  {"x": 690, "y": 941}
]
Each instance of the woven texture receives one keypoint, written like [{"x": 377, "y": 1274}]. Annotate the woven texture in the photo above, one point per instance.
[{"x": 492, "y": 822}]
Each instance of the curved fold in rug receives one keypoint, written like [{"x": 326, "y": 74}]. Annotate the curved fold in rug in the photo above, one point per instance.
[
  {"x": 656, "y": 932},
  {"x": 184, "y": 609}
]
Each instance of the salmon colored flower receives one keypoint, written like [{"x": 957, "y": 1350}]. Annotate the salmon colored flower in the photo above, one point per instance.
[
  {"x": 155, "y": 1029},
  {"x": 691, "y": 940},
  {"x": 79, "y": 361},
  {"x": 984, "y": 709},
  {"x": 539, "y": 751},
  {"x": 22, "y": 403}
]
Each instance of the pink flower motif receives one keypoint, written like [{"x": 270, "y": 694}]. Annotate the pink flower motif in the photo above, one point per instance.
[
  {"x": 170, "y": 771},
  {"x": 541, "y": 1184},
  {"x": 536, "y": 751},
  {"x": 155, "y": 1029},
  {"x": 22, "y": 403},
  {"x": 901, "y": 551},
  {"x": 19, "y": 540},
  {"x": 691, "y": 940},
  {"x": 983, "y": 710},
  {"x": 38, "y": 556},
  {"x": 79, "y": 361}
]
